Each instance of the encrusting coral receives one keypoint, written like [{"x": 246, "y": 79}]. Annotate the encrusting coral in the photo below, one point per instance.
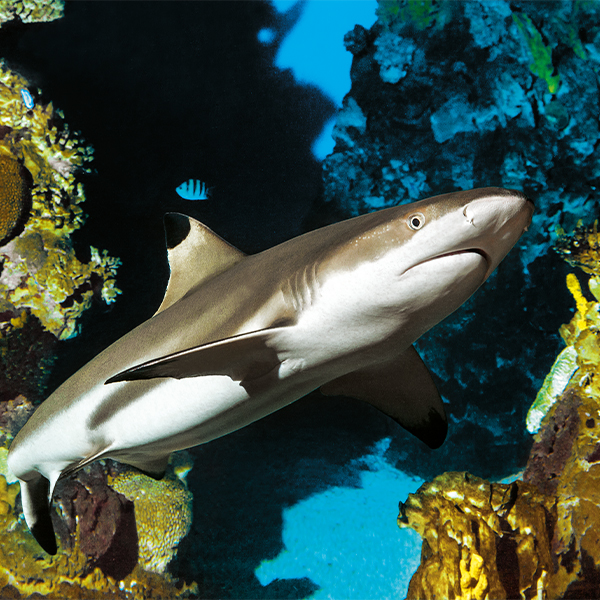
[
  {"x": 40, "y": 273},
  {"x": 565, "y": 458},
  {"x": 26, "y": 571},
  {"x": 480, "y": 539}
]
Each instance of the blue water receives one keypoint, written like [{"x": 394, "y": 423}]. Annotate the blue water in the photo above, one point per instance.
[
  {"x": 346, "y": 540},
  {"x": 314, "y": 50}
]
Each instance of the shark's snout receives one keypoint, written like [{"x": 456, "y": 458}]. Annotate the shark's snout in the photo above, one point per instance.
[
  {"x": 498, "y": 221},
  {"x": 495, "y": 212}
]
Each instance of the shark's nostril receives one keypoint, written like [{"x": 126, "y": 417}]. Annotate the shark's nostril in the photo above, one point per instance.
[{"x": 468, "y": 217}]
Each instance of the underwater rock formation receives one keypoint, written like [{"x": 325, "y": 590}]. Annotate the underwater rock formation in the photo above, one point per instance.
[
  {"x": 31, "y": 11},
  {"x": 565, "y": 458},
  {"x": 480, "y": 539},
  {"x": 455, "y": 95},
  {"x": 40, "y": 272},
  {"x": 25, "y": 572}
]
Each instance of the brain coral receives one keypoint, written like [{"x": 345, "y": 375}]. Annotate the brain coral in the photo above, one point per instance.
[
  {"x": 163, "y": 515},
  {"x": 15, "y": 198}
]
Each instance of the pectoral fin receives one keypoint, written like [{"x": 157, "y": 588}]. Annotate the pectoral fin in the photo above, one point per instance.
[
  {"x": 243, "y": 358},
  {"x": 403, "y": 390}
]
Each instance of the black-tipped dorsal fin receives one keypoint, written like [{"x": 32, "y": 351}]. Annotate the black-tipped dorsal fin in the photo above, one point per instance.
[{"x": 196, "y": 254}]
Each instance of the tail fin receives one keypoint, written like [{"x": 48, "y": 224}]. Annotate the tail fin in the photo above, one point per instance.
[{"x": 35, "y": 496}]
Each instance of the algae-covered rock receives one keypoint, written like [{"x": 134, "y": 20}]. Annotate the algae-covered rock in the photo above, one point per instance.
[
  {"x": 44, "y": 286},
  {"x": 565, "y": 462},
  {"x": 480, "y": 539},
  {"x": 27, "y": 572},
  {"x": 40, "y": 271}
]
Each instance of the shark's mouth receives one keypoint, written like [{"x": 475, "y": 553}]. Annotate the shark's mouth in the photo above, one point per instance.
[{"x": 478, "y": 251}]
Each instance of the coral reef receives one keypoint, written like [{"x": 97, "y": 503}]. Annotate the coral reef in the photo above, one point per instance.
[
  {"x": 40, "y": 272},
  {"x": 565, "y": 458},
  {"x": 480, "y": 539},
  {"x": 163, "y": 514},
  {"x": 44, "y": 288},
  {"x": 25, "y": 572},
  {"x": 31, "y": 11}
]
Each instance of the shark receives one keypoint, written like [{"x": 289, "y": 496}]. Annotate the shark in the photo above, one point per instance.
[{"x": 238, "y": 337}]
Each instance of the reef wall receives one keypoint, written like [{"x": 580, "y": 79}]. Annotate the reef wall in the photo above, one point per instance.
[{"x": 455, "y": 95}]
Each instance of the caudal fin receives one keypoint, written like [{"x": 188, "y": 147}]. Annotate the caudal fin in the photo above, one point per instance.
[{"x": 35, "y": 496}]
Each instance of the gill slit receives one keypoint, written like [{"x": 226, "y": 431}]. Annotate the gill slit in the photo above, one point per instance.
[{"x": 301, "y": 288}]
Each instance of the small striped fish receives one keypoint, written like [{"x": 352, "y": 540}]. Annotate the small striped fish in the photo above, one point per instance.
[{"x": 193, "y": 189}]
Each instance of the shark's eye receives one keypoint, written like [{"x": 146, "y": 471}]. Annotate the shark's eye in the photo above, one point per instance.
[{"x": 416, "y": 221}]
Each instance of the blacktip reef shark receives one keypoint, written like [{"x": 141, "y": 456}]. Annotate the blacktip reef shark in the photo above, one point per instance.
[{"x": 238, "y": 337}]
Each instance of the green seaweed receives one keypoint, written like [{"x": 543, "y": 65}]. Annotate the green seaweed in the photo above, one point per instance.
[{"x": 542, "y": 54}]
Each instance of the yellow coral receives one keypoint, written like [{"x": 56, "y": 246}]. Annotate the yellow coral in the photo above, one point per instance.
[
  {"x": 583, "y": 331},
  {"x": 163, "y": 515},
  {"x": 582, "y": 303},
  {"x": 15, "y": 198},
  {"x": 471, "y": 529},
  {"x": 565, "y": 458},
  {"x": 40, "y": 270}
]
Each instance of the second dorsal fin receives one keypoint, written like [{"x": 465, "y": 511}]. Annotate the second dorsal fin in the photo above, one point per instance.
[{"x": 196, "y": 254}]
